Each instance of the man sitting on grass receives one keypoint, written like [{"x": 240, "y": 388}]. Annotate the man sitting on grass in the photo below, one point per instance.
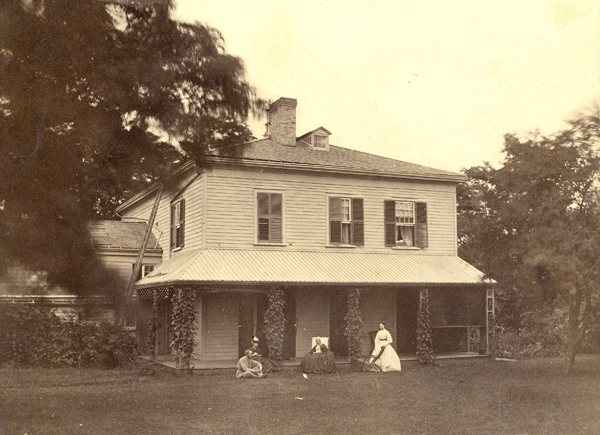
[{"x": 248, "y": 368}]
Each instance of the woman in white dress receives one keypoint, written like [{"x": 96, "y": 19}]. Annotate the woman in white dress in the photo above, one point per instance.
[{"x": 388, "y": 361}]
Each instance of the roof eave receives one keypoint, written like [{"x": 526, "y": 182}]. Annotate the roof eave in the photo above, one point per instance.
[
  {"x": 186, "y": 166},
  {"x": 333, "y": 170},
  {"x": 175, "y": 283}
]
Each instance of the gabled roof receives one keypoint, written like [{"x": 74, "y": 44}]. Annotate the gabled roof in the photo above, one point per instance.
[
  {"x": 337, "y": 159},
  {"x": 229, "y": 266},
  {"x": 120, "y": 235},
  {"x": 312, "y": 131}
]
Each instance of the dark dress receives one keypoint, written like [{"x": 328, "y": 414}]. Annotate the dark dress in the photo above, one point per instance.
[
  {"x": 318, "y": 362},
  {"x": 268, "y": 365}
]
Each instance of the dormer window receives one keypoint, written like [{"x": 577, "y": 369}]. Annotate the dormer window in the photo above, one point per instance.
[
  {"x": 317, "y": 139},
  {"x": 321, "y": 142}
]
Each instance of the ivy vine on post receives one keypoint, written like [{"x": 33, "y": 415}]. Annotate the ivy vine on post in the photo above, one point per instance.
[
  {"x": 353, "y": 326},
  {"x": 424, "y": 332},
  {"x": 183, "y": 326},
  {"x": 275, "y": 323},
  {"x": 153, "y": 326}
]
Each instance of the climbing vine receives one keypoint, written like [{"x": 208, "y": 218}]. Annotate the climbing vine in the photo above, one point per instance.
[
  {"x": 183, "y": 326},
  {"x": 275, "y": 323},
  {"x": 353, "y": 327},
  {"x": 153, "y": 325},
  {"x": 424, "y": 332}
]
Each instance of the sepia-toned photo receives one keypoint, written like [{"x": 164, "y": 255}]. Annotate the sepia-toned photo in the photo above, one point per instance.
[{"x": 299, "y": 218}]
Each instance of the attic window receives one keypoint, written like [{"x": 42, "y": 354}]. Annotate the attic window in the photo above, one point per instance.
[{"x": 320, "y": 142}]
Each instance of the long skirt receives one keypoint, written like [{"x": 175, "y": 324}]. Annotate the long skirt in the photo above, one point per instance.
[
  {"x": 318, "y": 362},
  {"x": 388, "y": 361}
]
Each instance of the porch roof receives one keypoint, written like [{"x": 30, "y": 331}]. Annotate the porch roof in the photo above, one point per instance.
[{"x": 225, "y": 266}]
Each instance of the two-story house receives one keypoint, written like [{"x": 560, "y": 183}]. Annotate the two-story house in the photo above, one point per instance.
[{"x": 314, "y": 219}]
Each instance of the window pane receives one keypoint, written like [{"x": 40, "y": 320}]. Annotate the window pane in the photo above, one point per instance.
[
  {"x": 346, "y": 209},
  {"x": 346, "y": 233},
  {"x": 263, "y": 203},
  {"x": 405, "y": 213},
  {"x": 320, "y": 141},
  {"x": 276, "y": 204}
]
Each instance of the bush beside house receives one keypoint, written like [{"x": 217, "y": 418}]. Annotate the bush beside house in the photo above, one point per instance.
[{"x": 36, "y": 337}]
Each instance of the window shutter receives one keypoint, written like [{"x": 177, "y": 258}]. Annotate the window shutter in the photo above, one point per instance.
[
  {"x": 421, "y": 225},
  {"x": 390, "y": 222},
  {"x": 182, "y": 223},
  {"x": 275, "y": 234},
  {"x": 358, "y": 226},
  {"x": 262, "y": 212},
  {"x": 172, "y": 226},
  {"x": 335, "y": 220}
]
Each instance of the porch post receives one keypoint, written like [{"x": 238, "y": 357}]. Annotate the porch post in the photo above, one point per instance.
[{"x": 154, "y": 321}]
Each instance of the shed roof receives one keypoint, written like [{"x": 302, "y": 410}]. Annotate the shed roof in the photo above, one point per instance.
[
  {"x": 224, "y": 266},
  {"x": 108, "y": 234}
]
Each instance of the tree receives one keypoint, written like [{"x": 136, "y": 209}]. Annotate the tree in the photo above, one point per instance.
[
  {"x": 95, "y": 100},
  {"x": 533, "y": 225}
]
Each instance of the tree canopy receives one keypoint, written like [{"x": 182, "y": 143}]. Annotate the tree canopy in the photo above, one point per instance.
[
  {"x": 533, "y": 225},
  {"x": 95, "y": 100}
]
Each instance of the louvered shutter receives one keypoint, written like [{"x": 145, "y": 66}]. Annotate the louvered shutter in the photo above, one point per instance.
[
  {"x": 335, "y": 220},
  {"x": 275, "y": 224},
  {"x": 358, "y": 226},
  {"x": 173, "y": 227},
  {"x": 262, "y": 203},
  {"x": 421, "y": 225},
  {"x": 390, "y": 222},
  {"x": 181, "y": 223}
]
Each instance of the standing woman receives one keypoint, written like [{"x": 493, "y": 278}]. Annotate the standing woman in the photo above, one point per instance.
[{"x": 388, "y": 360}]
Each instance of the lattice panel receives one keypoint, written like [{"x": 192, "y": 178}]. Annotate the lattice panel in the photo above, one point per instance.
[{"x": 162, "y": 293}]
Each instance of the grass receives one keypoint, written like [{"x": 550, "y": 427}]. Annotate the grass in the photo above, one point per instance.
[{"x": 452, "y": 397}]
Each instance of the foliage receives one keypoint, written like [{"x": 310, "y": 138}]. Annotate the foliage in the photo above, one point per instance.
[
  {"x": 183, "y": 326},
  {"x": 533, "y": 225},
  {"x": 424, "y": 332},
  {"x": 275, "y": 323},
  {"x": 153, "y": 325},
  {"x": 36, "y": 337},
  {"x": 353, "y": 324},
  {"x": 89, "y": 92}
]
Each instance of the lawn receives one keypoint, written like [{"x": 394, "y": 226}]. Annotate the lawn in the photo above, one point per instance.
[{"x": 452, "y": 397}]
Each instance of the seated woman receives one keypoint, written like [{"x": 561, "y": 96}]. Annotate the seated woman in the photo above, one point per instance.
[
  {"x": 319, "y": 360},
  {"x": 268, "y": 365},
  {"x": 384, "y": 356}
]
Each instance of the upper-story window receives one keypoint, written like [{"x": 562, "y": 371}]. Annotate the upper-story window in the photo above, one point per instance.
[
  {"x": 269, "y": 217},
  {"x": 317, "y": 139},
  {"x": 346, "y": 221},
  {"x": 178, "y": 224},
  {"x": 320, "y": 141},
  {"x": 406, "y": 224}
]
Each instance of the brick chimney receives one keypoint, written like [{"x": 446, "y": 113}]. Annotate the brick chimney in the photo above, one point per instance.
[{"x": 282, "y": 121}]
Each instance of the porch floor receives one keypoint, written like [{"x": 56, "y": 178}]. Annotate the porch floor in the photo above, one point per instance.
[{"x": 294, "y": 363}]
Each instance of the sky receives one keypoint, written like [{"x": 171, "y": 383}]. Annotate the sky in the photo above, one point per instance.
[{"x": 436, "y": 82}]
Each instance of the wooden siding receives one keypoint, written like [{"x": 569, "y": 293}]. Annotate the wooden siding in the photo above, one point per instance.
[
  {"x": 122, "y": 263},
  {"x": 312, "y": 314},
  {"x": 192, "y": 193},
  {"x": 230, "y": 214},
  {"x": 377, "y": 306},
  {"x": 220, "y": 326}
]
